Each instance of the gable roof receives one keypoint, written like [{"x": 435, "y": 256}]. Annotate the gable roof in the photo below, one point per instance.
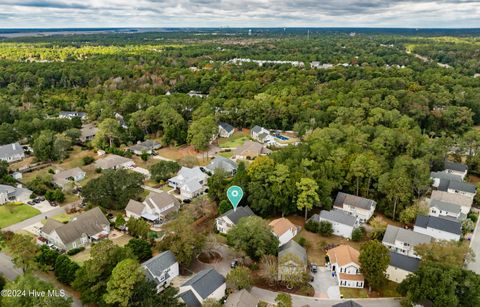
[
  {"x": 72, "y": 114},
  {"x": 338, "y": 216},
  {"x": 7, "y": 189},
  {"x": 444, "y": 206},
  {"x": 352, "y": 200},
  {"x": 241, "y": 298},
  {"x": 438, "y": 223},
  {"x": 403, "y": 262},
  {"x": 135, "y": 207},
  {"x": 160, "y": 200},
  {"x": 343, "y": 255},
  {"x": 146, "y": 145},
  {"x": 190, "y": 299},
  {"x": 292, "y": 247},
  {"x": 461, "y": 186},
  {"x": 281, "y": 226},
  {"x": 347, "y": 304},
  {"x": 62, "y": 176},
  {"x": 256, "y": 129},
  {"x": 453, "y": 198},
  {"x": 205, "y": 282},
  {"x": 252, "y": 149},
  {"x": 394, "y": 233},
  {"x": 88, "y": 130},
  {"x": 236, "y": 215},
  {"x": 227, "y": 127},
  {"x": 90, "y": 222},
  {"x": 444, "y": 175},
  {"x": 222, "y": 163},
  {"x": 51, "y": 225},
  {"x": 459, "y": 167},
  {"x": 160, "y": 263},
  {"x": 10, "y": 150},
  {"x": 111, "y": 161}
]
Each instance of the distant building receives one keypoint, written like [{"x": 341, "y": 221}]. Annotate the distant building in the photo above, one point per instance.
[
  {"x": 344, "y": 264},
  {"x": 154, "y": 208},
  {"x": 360, "y": 207},
  {"x": 227, "y": 165},
  {"x": 403, "y": 241},
  {"x": 72, "y": 114},
  {"x": 203, "y": 285},
  {"x": 11, "y": 152},
  {"x": 261, "y": 135},
  {"x": 292, "y": 258},
  {"x": 121, "y": 120},
  {"x": 250, "y": 150},
  {"x": 438, "y": 228},
  {"x": 148, "y": 146},
  {"x": 62, "y": 178},
  {"x": 401, "y": 266},
  {"x": 284, "y": 230},
  {"x": 342, "y": 222},
  {"x": 191, "y": 182},
  {"x": 161, "y": 269},
  {"x": 225, "y": 130},
  {"x": 88, "y": 132},
  {"x": 114, "y": 162},
  {"x": 229, "y": 219},
  {"x": 13, "y": 194}
]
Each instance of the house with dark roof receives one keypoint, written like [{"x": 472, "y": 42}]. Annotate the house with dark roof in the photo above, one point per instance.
[
  {"x": 342, "y": 222},
  {"x": 360, "y": 207},
  {"x": 225, "y": 164},
  {"x": 225, "y": 130},
  {"x": 89, "y": 226},
  {"x": 11, "y": 152},
  {"x": 147, "y": 146},
  {"x": 229, "y": 219},
  {"x": 161, "y": 269},
  {"x": 241, "y": 298},
  {"x": 455, "y": 168},
  {"x": 463, "y": 201},
  {"x": 347, "y": 304},
  {"x": 403, "y": 241},
  {"x": 203, "y": 285},
  {"x": 439, "y": 228},
  {"x": 292, "y": 258},
  {"x": 401, "y": 266},
  {"x": 444, "y": 209},
  {"x": 72, "y": 114},
  {"x": 154, "y": 208},
  {"x": 439, "y": 177},
  {"x": 458, "y": 187}
]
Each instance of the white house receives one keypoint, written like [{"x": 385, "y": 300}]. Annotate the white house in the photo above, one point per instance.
[
  {"x": 460, "y": 200},
  {"x": 154, "y": 208},
  {"x": 229, "y": 219},
  {"x": 225, "y": 130},
  {"x": 344, "y": 264},
  {"x": 72, "y": 114},
  {"x": 148, "y": 146},
  {"x": 455, "y": 168},
  {"x": 360, "y": 207},
  {"x": 114, "y": 162},
  {"x": 13, "y": 194},
  {"x": 443, "y": 209},
  {"x": 191, "y": 182},
  {"x": 283, "y": 229},
  {"x": 161, "y": 269},
  {"x": 459, "y": 187},
  {"x": 11, "y": 152},
  {"x": 439, "y": 228},
  {"x": 403, "y": 241},
  {"x": 401, "y": 266},
  {"x": 261, "y": 135},
  {"x": 62, "y": 178},
  {"x": 342, "y": 222},
  {"x": 225, "y": 164},
  {"x": 203, "y": 285}
]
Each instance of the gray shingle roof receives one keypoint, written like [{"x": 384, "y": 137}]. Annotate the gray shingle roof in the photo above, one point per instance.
[
  {"x": 72, "y": 114},
  {"x": 444, "y": 175},
  {"x": 205, "y": 282},
  {"x": 161, "y": 200},
  {"x": 444, "y": 206},
  {"x": 6, "y": 189},
  {"x": 10, "y": 150},
  {"x": 159, "y": 263},
  {"x": 403, "y": 262},
  {"x": 135, "y": 207},
  {"x": 256, "y": 129},
  {"x": 462, "y": 186},
  {"x": 147, "y": 145},
  {"x": 347, "y": 304},
  {"x": 190, "y": 299},
  {"x": 222, "y": 163},
  {"x": 252, "y": 149},
  {"x": 394, "y": 233},
  {"x": 456, "y": 166},
  {"x": 236, "y": 215},
  {"x": 338, "y": 216},
  {"x": 227, "y": 127},
  {"x": 241, "y": 298},
  {"x": 355, "y": 201},
  {"x": 453, "y": 198},
  {"x": 294, "y": 248},
  {"x": 446, "y": 225}
]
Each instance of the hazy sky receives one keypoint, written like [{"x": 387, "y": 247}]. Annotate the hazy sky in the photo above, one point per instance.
[{"x": 238, "y": 13}]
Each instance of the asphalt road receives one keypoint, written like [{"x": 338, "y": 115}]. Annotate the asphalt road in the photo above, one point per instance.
[
  {"x": 475, "y": 246},
  {"x": 35, "y": 219}
]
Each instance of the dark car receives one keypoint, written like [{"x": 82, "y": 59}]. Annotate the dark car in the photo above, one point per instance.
[
  {"x": 313, "y": 268},
  {"x": 234, "y": 263}
]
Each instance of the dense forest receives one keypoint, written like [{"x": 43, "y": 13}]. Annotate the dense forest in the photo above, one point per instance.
[{"x": 374, "y": 123}]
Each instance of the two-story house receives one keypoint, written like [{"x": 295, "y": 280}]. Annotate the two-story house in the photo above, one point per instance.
[
  {"x": 463, "y": 201},
  {"x": 360, "y": 207},
  {"x": 203, "y": 285},
  {"x": 229, "y": 219},
  {"x": 283, "y": 229},
  {"x": 342, "y": 222},
  {"x": 455, "y": 168},
  {"x": 225, "y": 130},
  {"x": 161, "y": 269},
  {"x": 443, "y": 209},
  {"x": 401, "y": 266},
  {"x": 344, "y": 264},
  {"x": 403, "y": 241},
  {"x": 439, "y": 228},
  {"x": 261, "y": 134},
  {"x": 154, "y": 208},
  {"x": 190, "y": 182}
]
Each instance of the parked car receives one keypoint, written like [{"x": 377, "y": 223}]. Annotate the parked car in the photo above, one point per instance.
[{"x": 313, "y": 268}]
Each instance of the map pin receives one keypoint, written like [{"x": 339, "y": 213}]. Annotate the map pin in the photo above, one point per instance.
[{"x": 235, "y": 194}]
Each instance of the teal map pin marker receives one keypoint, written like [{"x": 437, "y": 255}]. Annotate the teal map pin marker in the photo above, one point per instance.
[{"x": 235, "y": 194}]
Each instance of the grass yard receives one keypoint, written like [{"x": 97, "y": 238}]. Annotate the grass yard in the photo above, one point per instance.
[
  {"x": 13, "y": 213},
  {"x": 389, "y": 290},
  {"x": 177, "y": 153},
  {"x": 226, "y": 154},
  {"x": 236, "y": 140},
  {"x": 354, "y": 292},
  {"x": 82, "y": 256}
]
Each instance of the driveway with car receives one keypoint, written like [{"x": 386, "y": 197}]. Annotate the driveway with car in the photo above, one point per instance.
[{"x": 324, "y": 284}]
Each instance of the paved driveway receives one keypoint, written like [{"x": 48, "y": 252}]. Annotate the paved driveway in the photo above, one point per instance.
[
  {"x": 475, "y": 246},
  {"x": 34, "y": 220},
  {"x": 325, "y": 285},
  {"x": 223, "y": 266},
  {"x": 43, "y": 206}
]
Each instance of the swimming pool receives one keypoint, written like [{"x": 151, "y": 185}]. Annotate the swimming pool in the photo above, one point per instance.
[{"x": 281, "y": 137}]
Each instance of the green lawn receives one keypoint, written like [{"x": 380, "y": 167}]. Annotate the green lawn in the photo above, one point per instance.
[
  {"x": 13, "y": 213},
  {"x": 226, "y": 154},
  {"x": 237, "y": 139},
  {"x": 354, "y": 292},
  {"x": 389, "y": 290}
]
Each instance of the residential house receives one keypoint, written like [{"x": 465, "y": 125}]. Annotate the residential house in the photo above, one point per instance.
[
  {"x": 464, "y": 202},
  {"x": 225, "y": 130},
  {"x": 342, "y": 222},
  {"x": 458, "y": 187},
  {"x": 88, "y": 132},
  {"x": 292, "y": 258},
  {"x": 242, "y": 298},
  {"x": 13, "y": 194},
  {"x": 121, "y": 120},
  {"x": 403, "y": 241},
  {"x": 62, "y": 178},
  {"x": 227, "y": 165},
  {"x": 250, "y": 150},
  {"x": 360, "y": 207},
  {"x": 349, "y": 303},
  {"x": 89, "y": 226},
  {"x": 344, "y": 264},
  {"x": 229, "y": 219},
  {"x": 261, "y": 135},
  {"x": 284, "y": 230},
  {"x": 190, "y": 182},
  {"x": 72, "y": 114},
  {"x": 203, "y": 285},
  {"x": 154, "y": 208},
  {"x": 442, "y": 178},
  {"x": 444, "y": 209},
  {"x": 161, "y": 269},
  {"x": 401, "y": 266},
  {"x": 11, "y": 152},
  {"x": 439, "y": 228},
  {"x": 148, "y": 146},
  {"x": 114, "y": 162},
  {"x": 455, "y": 168},
  {"x": 196, "y": 94}
]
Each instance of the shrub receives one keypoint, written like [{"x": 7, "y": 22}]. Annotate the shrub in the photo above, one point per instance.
[
  {"x": 75, "y": 251},
  {"x": 302, "y": 241},
  {"x": 325, "y": 228},
  {"x": 358, "y": 233},
  {"x": 65, "y": 269},
  {"x": 98, "y": 170},
  {"x": 51, "y": 171},
  {"x": 47, "y": 257},
  {"x": 87, "y": 160},
  {"x": 473, "y": 216},
  {"x": 311, "y": 226},
  {"x": 144, "y": 156}
]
